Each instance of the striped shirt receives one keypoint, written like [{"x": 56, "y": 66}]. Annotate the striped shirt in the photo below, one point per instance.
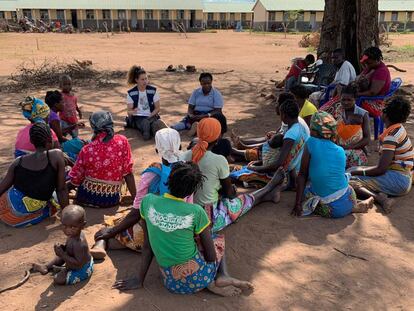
[{"x": 395, "y": 139}]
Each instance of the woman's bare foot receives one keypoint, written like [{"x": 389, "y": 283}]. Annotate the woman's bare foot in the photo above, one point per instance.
[
  {"x": 98, "y": 250},
  {"x": 364, "y": 206},
  {"x": 223, "y": 281},
  {"x": 273, "y": 195},
  {"x": 235, "y": 139},
  {"x": 385, "y": 202},
  {"x": 40, "y": 268},
  {"x": 227, "y": 291}
]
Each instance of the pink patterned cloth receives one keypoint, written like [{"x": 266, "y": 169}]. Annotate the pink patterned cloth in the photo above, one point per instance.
[
  {"x": 142, "y": 189},
  {"x": 23, "y": 139},
  {"x": 69, "y": 113}
]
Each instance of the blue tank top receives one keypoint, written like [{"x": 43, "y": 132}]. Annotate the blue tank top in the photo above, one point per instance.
[{"x": 326, "y": 167}]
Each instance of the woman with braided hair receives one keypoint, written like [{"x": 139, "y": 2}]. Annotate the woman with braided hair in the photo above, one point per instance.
[
  {"x": 170, "y": 225},
  {"x": 27, "y": 189}
]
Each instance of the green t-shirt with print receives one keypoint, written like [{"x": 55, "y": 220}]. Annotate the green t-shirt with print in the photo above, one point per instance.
[{"x": 172, "y": 224}]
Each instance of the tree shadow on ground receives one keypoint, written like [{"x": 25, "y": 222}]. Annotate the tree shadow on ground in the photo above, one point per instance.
[{"x": 55, "y": 296}]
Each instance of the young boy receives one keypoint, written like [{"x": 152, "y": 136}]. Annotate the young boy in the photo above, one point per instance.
[
  {"x": 73, "y": 260},
  {"x": 69, "y": 115}
]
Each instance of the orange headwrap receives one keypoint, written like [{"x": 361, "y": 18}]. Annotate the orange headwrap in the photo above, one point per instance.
[{"x": 208, "y": 130}]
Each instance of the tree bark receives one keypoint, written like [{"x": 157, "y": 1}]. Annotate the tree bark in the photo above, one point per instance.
[{"x": 351, "y": 25}]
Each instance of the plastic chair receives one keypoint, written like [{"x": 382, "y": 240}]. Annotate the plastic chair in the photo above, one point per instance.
[
  {"x": 327, "y": 95},
  {"x": 378, "y": 124}
]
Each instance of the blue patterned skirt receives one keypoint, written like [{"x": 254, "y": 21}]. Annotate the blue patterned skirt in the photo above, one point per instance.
[{"x": 99, "y": 193}]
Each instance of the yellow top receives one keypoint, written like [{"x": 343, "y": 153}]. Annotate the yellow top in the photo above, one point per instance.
[{"x": 308, "y": 109}]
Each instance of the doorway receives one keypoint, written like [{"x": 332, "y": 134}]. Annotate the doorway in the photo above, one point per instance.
[
  {"x": 74, "y": 15},
  {"x": 313, "y": 20},
  {"x": 192, "y": 19}
]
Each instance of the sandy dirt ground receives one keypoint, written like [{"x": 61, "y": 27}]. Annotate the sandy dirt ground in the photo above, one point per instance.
[{"x": 291, "y": 262}]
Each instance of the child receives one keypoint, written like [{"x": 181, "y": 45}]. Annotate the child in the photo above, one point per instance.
[
  {"x": 68, "y": 117},
  {"x": 143, "y": 102},
  {"x": 72, "y": 259}
]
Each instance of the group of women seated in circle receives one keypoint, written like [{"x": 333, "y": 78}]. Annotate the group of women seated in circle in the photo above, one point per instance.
[{"x": 187, "y": 194}]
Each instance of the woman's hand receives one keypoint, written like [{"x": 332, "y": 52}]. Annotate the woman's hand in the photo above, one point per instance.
[
  {"x": 357, "y": 172},
  {"x": 104, "y": 234},
  {"x": 124, "y": 285},
  {"x": 297, "y": 210},
  {"x": 252, "y": 167},
  {"x": 270, "y": 134}
]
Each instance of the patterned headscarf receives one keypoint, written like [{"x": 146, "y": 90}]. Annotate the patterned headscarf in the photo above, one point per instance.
[
  {"x": 101, "y": 122},
  {"x": 208, "y": 130},
  {"x": 34, "y": 109},
  {"x": 324, "y": 124},
  {"x": 168, "y": 143}
]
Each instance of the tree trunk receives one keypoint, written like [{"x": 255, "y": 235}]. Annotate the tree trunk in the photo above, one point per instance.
[{"x": 351, "y": 25}]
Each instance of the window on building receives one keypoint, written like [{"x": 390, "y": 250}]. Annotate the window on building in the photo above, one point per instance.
[
  {"x": 394, "y": 16},
  {"x": 90, "y": 14},
  {"x": 272, "y": 16},
  {"x": 222, "y": 16},
  {"x": 409, "y": 16},
  {"x": 106, "y": 14},
  {"x": 180, "y": 14},
  {"x": 232, "y": 17},
  {"x": 60, "y": 15},
  {"x": 2, "y": 15},
  {"x": 14, "y": 15},
  {"x": 122, "y": 14},
  {"x": 44, "y": 14},
  {"x": 210, "y": 16},
  {"x": 382, "y": 17},
  {"x": 27, "y": 13},
  {"x": 148, "y": 14},
  {"x": 165, "y": 14},
  {"x": 243, "y": 16}
]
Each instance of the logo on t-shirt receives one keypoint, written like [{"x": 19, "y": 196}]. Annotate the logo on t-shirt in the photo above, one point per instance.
[{"x": 169, "y": 222}]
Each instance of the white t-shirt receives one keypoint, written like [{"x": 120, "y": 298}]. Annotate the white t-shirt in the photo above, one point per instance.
[
  {"x": 143, "y": 108},
  {"x": 284, "y": 127},
  {"x": 346, "y": 74}
]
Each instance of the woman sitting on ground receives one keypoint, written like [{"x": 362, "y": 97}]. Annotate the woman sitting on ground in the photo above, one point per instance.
[
  {"x": 102, "y": 166},
  {"x": 223, "y": 146},
  {"x": 123, "y": 229},
  {"x": 307, "y": 109},
  {"x": 328, "y": 193},
  {"x": 353, "y": 128},
  {"x": 27, "y": 189},
  {"x": 71, "y": 147},
  {"x": 143, "y": 102},
  {"x": 35, "y": 111},
  {"x": 170, "y": 225},
  {"x": 290, "y": 154},
  {"x": 379, "y": 78},
  {"x": 255, "y": 149},
  {"x": 204, "y": 102},
  {"x": 217, "y": 195},
  {"x": 392, "y": 175}
]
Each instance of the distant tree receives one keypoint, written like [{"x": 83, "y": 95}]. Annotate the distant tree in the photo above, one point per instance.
[
  {"x": 351, "y": 25},
  {"x": 291, "y": 17}
]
